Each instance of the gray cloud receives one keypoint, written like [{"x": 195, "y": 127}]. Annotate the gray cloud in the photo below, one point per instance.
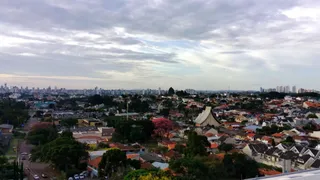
[{"x": 85, "y": 38}]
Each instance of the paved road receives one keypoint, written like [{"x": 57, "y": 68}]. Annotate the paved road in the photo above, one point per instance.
[{"x": 32, "y": 168}]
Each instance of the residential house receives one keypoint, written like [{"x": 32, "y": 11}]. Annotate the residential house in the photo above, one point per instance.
[
  {"x": 206, "y": 118},
  {"x": 301, "y": 139},
  {"x": 160, "y": 165},
  {"x": 129, "y": 148},
  {"x": 168, "y": 144},
  {"x": 297, "y": 149},
  {"x": 6, "y": 128},
  {"x": 283, "y": 147},
  {"x": 316, "y": 164},
  {"x": 106, "y": 132},
  {"x": 171, "y": 154},
  {"x": 312, "y": 152},
  {"x": 309, "y": 104},
  {"x": 304, "y": 162},
  {"x": 151, "y": 157},
  {"x": 90, "y": 122},
  {"x": 93, "y": 166}
]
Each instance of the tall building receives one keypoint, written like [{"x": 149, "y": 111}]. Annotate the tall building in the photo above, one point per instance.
[
  {"x": 261, "y": 89},
  {"x": 281, "y": 89},
  {"x": 278, "y": 89},
  {"x": 294, "y": 89},
  {"x": 287, "y": 89}
]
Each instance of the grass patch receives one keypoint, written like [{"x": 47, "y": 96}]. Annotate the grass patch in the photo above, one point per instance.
[{"x": 13, "y": 147}]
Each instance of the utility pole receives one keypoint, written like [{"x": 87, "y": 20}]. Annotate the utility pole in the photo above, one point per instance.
[{"x": 127, "y": 111}]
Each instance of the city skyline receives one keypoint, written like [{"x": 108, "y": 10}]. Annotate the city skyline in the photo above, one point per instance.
[{"x": 160, "y": 43}]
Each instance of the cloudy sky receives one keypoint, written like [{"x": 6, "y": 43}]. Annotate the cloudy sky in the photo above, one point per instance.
[{"x": 199, "y": 44}]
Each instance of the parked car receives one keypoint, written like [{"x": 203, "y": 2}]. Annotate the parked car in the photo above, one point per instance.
[
  {"x": 24, "y": 153},
  {"x": 44, "y": 175},
  {"x": 23, "y": 158},
  {"x": 36, "y": 177},
  {"x": 81, "y": 176},
  {"x": 70, "y": 178},
  {"x": 76, "y": 176},
  {"x": 84, "y": 173}
]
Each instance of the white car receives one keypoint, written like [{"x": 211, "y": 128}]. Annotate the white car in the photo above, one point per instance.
[
  {"x": 24, "y": 153},
  {"x": 70, "y": 178},
  {"x": 36, "y": 177},
  {"x": 82, "y": 176}
]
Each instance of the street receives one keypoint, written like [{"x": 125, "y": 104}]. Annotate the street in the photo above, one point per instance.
[{"x": 32, "y": 168}]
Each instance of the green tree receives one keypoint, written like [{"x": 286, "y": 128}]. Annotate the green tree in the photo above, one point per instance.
[
  {"x": 190, "y": 169},
  {"x": 13, "y": 112},
  {"x": 225, "y": 147},
  {"x": 134, "y": 163},
  {"x": 312, "y": 116},
  {"x": 196, "y": 145},
  {"x": 273, "y": 143},
  {"x": 40, "y": 136},
  {"x": 103, "y": 145},
  {"x": 239, "y": 166},
  {"x": 111, "y": 162},
  {"x": 135, "y": 175},
  {"x": 289, "y": 140},
  {"x": 63, "y": 153},
  {"x": 171, "y": 91},
  {"x": 180, "y": 148},
  {"x": 67, "y": 133},
  {"x": 133, "y": 131},
  {"x": 70, "y": 122},
  {"x": 10, "y": 170},
  {"x": 95, "y": 100}
]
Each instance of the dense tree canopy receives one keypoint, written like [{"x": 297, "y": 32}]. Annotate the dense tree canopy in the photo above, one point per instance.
[
  {"x": 171, "y": 91},
  {"x": 10, "y": 170},
  {"x": 225, "y": 147},
  {"x": 13, "y": 112},
  {"x": 162, "y": 127},
  {"x": 40, "y": 136},
  {"x": 145, "y": 174},
  {"x": 70, "y": 122},
  {"x": 239, "y": 166},
  {"x": 133, "y": 131},
  {"x": 196, "y": 145},
  {"x": 64, "y": 153},
  {"x": 312, "y": 116},
  {"x": 190, "y": 169},
  {"x": 269, "y": 130},
  {"x": 112, "y": 161}
]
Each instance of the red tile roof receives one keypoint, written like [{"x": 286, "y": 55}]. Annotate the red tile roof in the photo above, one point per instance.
[
  {"x": 214, "y": 145},
  {"x": 312, "y": 104},
  {"x": 268, "y": 172},
  {"x": 132, "y": 156},
  {"x": 95, "y": 162},
  {"x": 146, "y": 165},
  {"x": 278, "y": 135}
]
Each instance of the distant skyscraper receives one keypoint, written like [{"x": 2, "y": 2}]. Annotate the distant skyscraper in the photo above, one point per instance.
[
  {"x": 261, "y": 89},
  {"x": 278, "y": 89},
  {"x": 281, "y": 89},
  {"x": 287, "y": 89},
  {"x": 294, "y": 89},
  {"x": 159, "y": 91}
]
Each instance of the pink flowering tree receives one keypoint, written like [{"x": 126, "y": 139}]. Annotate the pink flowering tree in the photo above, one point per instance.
[{"x": 162, "y": 127}]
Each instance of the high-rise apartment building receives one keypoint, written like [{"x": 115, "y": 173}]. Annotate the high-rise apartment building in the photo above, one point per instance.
[
  {"x": 287, "y": 89},
  {"x": 294, "y": 89}
]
